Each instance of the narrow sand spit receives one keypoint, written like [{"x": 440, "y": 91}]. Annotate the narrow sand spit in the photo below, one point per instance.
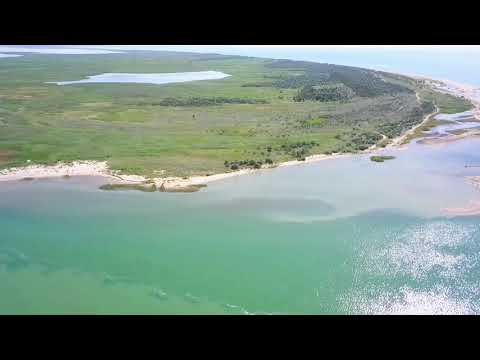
[
  {"x": 474, "y": 181},
  {"x": 450, "y": 138},
  {"x": 473, "y": 208}
]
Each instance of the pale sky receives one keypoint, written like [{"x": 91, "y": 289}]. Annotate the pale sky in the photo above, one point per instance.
[
  {"x": 319, "y": 47},
  {"x": 226, "y": 49}
]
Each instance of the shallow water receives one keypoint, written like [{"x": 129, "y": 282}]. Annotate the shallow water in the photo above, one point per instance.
[
  {"x": 337, "y": 236},
  {"x": 158, "y": 79},
  {"x": 456, "y": 117}
]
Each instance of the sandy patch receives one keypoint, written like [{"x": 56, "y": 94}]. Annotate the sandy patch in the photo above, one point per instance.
[
  {"x": 77, "y": 168},
  {"x": 4, "y": 156},
  {"x": 473, "y": 208}
]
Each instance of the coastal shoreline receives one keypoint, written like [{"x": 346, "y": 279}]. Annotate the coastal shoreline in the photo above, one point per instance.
[
  {"x": 101, "y": 168},
  {"x": 472, "y": 208}
]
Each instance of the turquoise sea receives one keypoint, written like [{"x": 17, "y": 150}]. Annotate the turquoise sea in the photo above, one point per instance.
[{"x": 340, "y": 236}]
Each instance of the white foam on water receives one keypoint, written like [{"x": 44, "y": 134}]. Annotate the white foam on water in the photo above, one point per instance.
[
  {"x": 159, "y": 294},
  {"x": 245, "y": 311},
  {"x": 193, "y": 299}
]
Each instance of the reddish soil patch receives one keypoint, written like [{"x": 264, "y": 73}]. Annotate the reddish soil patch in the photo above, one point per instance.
[{"x": 4, "y": 156}]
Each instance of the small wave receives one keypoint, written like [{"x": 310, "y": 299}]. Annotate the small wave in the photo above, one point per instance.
[
  {"x": 236, "y": 307},
  {"x": 14, "y": 259},
  {"x": 190, "y": 298},
  {"x": 109, "y": 279},
  {"x": 159, "y": 294},
  {"x": 245, "y": 311}
]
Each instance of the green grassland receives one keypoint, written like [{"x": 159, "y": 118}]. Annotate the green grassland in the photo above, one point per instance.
[{"x": 195, "y": 128}]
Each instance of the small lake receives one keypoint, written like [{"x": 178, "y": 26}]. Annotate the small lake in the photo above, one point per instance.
[
  {"x": 8, "y": 55},
  {"x": 147, "y": 78}
]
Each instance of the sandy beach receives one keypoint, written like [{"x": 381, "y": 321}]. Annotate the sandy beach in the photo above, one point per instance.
[
  {"x": 77, "y": 168},
  {"x": 99, "y": 168}
]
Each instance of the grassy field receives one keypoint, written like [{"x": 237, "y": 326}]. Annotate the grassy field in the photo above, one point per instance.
[{"x": 134, "y": 128}]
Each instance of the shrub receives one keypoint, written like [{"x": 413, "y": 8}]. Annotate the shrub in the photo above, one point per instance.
[
  {"x": 381, "y": 158},
  {"x": 327, "y": 92},
  {"x": 206, "y": 101}
]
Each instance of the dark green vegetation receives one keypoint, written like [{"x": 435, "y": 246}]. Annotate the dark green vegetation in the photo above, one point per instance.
[
  {"x": 327, "y": 92},
  {"x": 381, "y": 158},
  {"x": 183, "y": 189},
  {"x": 149, "y": 187},
  {"x": 246, "y": 164},
  {"x": 140, "y": 187},
  {"x": 204, "y": 101},
  {"x": 363, "y": 82},
  {"x": 265, "y": 112},
  {"x": 392, "y": 130}
]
